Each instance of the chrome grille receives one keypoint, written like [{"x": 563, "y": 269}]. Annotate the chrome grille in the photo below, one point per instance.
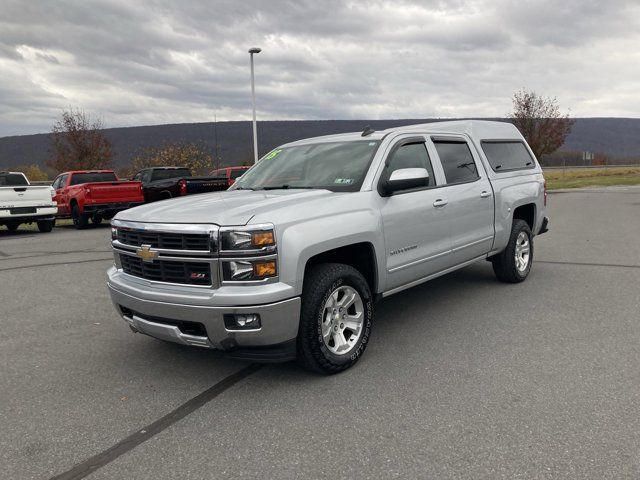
[
  {"x": 165, "y": 240},
  {"x": 169, "y": 271}
]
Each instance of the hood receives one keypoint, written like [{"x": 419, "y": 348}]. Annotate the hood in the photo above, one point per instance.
[{"x": 235, "y": 207}]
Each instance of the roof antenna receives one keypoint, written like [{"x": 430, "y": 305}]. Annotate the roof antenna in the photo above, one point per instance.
[{"x": 367, "y": 131}]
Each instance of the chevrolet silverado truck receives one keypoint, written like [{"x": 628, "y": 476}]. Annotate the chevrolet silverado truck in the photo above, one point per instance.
[
  {"x": 21, "y": 202},
  {"x": 161, "y": 183},
  {"x": 94, "y": 195},
  {"x": 289, "y": 262}
]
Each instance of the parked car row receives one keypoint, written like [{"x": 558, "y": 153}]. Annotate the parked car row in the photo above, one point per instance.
[{"x": 91, "y": 196}]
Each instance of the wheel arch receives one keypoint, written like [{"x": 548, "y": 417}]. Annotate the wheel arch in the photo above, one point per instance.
[
  {"x": 526, "y": 212},
  {"x": 360, "y": 255}
]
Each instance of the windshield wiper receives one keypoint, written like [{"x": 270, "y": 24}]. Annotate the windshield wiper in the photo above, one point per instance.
[
  {"x": 244, "y": 188},
  {"x": 286, "y": 187}
]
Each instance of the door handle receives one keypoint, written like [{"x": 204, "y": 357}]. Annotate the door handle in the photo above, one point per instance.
[
  {"x": 485, "y": 194},
  {"x": 441, "y": 202}
]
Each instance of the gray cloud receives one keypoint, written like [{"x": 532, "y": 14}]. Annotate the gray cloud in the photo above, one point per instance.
[{"x": 135, "y": 63}]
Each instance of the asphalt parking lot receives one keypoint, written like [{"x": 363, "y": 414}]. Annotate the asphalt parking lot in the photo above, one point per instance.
[{"x": 465, "y": 377}]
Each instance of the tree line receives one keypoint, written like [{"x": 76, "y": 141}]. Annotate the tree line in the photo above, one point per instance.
[{"x": 78, "y": 141}]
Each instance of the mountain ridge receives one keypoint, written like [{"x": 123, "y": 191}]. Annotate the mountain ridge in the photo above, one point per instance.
[{"x": 611, "y": 136}]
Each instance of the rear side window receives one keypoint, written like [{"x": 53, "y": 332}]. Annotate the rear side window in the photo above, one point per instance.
[
  {"x": 93, "y": 177},
  {"x": 457, "y": 161},
  {"x": 506, "y": 156},
  {"x": 170, "y": 173},
  {"x": 237, "y": 173},
  {"x": 12, "y": 180}
]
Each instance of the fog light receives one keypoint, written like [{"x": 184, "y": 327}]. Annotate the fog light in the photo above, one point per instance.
[{"x": 242, "y": 321}]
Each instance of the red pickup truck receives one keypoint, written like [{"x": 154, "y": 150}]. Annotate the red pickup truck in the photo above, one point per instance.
[
  {"x": 94, "y": 194},
  {"x": 230, "y": 173}
]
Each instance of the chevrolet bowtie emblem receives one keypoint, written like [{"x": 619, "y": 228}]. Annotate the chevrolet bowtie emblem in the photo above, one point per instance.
[{"x": 146, "y": 254}]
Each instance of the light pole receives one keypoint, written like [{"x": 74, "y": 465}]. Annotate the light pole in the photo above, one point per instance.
[{"x": 253, "y": 100}]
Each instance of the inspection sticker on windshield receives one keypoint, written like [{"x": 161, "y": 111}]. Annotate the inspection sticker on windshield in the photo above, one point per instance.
[
  {"x": 343, "y": 181},
  {"x": 272, "y": 154}
]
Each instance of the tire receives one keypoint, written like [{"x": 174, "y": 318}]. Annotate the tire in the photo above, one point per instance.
[
  {"x": 45, "y": 226},
  {"x": 96, "y": 219},
  {"x": 12, "y": 226},
  {"x": 505, "y": 265},
  {"x": 324, "y": 285},
  {"x": 80, "y": 221}
]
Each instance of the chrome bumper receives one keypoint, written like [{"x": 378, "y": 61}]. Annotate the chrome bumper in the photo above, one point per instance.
[{"x": 279, "y": 321}]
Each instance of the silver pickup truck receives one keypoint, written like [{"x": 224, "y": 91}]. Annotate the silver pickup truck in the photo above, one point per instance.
[{"x": 289, "y": 262}]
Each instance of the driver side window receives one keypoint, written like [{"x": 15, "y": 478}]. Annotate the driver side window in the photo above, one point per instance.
[{"x": 411, "y": 155}]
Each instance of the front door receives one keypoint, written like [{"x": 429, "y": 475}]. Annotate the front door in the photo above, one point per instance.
[{"x": 417, "y": 227}]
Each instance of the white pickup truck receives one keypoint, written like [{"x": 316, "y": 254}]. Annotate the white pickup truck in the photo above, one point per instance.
[{"x": 21, "y": 202}]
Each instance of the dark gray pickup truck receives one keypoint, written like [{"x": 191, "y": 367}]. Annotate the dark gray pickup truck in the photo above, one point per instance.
[{"x": 161, "y": 183}]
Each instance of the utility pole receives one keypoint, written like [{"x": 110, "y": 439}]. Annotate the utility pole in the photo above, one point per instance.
[
  {"x": 253, "y": 100},
  {"x": 216, "y": 151}
]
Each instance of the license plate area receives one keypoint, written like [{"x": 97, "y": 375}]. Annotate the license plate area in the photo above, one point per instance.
[{"x": 22, "y": 210}]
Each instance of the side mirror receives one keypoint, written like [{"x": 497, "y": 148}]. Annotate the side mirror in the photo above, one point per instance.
[{"x": 406, "y": 178}]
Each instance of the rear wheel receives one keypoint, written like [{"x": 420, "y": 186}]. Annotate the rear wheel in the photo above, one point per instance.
[
  {"x": 46, "y": 226},
  {"x": 514, "y": 263},
  {"x": 336, "y": 318},
  {"x": 80, "y": 220},
  {"x": 96, "y": 219}
]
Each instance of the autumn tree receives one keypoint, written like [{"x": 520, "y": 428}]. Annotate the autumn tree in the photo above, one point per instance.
[
  {"x": 33, "y": 172},
  {"x": 540, "y": 121},
  {"x": 193, "y": 156},
  {"x": 77, "y": 143}
]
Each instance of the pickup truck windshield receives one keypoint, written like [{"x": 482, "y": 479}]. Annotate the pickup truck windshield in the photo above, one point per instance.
[
  {"x": 12, "y": 180},
  {"x": 95, "y": 177},
  {"x": 170, "y": 173},
  {"x": 336, "y": 166}
]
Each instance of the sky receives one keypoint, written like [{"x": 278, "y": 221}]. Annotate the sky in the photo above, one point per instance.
[{"x": 143, "y": 63}]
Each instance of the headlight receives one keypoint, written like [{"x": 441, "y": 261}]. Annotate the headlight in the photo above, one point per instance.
[
  {"x": 249, "y": 240},
  {"x": 248, "y": 270},
  {"x": 114, "y": 233}
]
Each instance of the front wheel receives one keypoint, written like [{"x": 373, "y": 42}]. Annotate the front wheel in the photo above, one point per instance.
[
  {"x": 46, "y": 226},
  {"x": 336, "y": 318},
  {"x": 514, "y": 263}
]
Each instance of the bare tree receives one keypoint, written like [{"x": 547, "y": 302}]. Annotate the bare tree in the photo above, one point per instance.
[
  {"x": 77, "y": 143},
  {"x": 193, "y": 156},
  {"x": 540, "y": 121}
]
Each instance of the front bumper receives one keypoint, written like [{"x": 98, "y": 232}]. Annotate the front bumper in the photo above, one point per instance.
[{"x": 273, "y": 341}]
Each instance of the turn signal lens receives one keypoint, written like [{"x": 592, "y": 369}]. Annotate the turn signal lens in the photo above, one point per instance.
[
  {"x": 262, "y": 239},
  {"x": 264, "y": 269}
]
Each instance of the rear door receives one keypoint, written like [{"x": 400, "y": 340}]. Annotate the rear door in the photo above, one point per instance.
[
  {"x": 469, "y": 197},
  {"x": 417, "y": 230}
]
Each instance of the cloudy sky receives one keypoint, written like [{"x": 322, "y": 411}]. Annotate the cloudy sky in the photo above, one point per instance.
[{"x": 141, "y": 63}]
